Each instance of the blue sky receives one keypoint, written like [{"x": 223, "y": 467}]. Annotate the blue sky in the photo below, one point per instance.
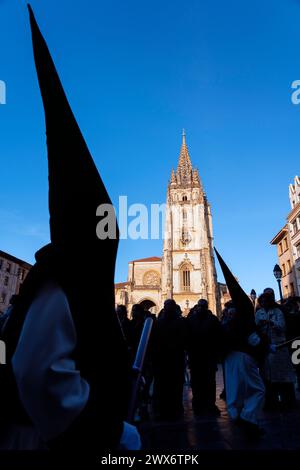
[{"x": 137, "y": 72}]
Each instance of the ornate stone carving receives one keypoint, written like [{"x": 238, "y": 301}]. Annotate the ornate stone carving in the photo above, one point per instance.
[
  {"x": 185, "y": 237},
  {"x": 151, "y": 278}
]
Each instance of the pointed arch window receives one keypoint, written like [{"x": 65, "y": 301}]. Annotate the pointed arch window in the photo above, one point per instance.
[
  {"x": 186, "y": 279},
  {"x": 184, "y": 198},
  {"x": 185, "y": 270}
]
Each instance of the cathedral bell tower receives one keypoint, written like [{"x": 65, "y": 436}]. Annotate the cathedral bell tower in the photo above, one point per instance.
[{"x": 188, "y": 267}]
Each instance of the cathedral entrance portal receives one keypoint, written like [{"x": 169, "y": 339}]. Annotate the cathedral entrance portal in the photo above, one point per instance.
[{"x": 148, "y": 304}]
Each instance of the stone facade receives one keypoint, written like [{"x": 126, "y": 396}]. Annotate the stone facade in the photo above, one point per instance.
[
  {"x": 143, "y": 285},
  {"x": 294, "y": 229},
  {"x": 287, "y": 242},
  {"x": 284, "y": 253},
  {"x": 186, "y": 272},
  {"x": 12, "y": 273}
]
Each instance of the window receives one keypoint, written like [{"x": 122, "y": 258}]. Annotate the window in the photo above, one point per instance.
[
  {"x": 186, "y": 280},
  {"x": 286, "y": 291},
  {"x": 283, "y": 270},
  {"x": 292, "y": 291},
  {"x": 8, "y": 267},
  {"x": 184, "y": 198},
  {"x": 289, "y": 268},
  {"x": 21, "y": 274},
  {"x": 6, "y": 279},
  {"x": 280, "y": 248},
  {"x": 3, "y": 297},
  {"x": 298, "y": 251},
  {"x": 184, "y": 215},
  {"x": 295, "y": 228},
  {"x": 285, "y": 244}
]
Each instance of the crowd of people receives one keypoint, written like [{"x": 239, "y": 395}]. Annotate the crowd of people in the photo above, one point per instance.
[{"x": 257, "y": 369}]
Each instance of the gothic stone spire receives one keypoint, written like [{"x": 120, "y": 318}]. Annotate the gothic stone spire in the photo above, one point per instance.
[{"x": 184, "y": 168}]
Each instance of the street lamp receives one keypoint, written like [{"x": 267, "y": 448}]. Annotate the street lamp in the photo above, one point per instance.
[
  {"x": 253, "y": 296},
  {"x": 278, "y": 275}
]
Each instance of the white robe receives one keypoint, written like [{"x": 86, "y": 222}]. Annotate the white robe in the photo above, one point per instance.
[
  {"x": 50, "y": 388},
  {"x": 245, "y": 391}
]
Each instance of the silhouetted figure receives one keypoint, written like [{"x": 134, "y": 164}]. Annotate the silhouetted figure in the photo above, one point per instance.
[
  {"x": 168, "y": 353},
  {"x": 291, "y": 307},
  {"x": 242, "y": 347},
  {"x": 203, "y": 344},
  {"x": 160, "y": 313},
  {"x": 245, "y": 391},
  {"x": 125, "y": 323},
  {"x": 276, "y": 369},
  {"x": 192, "y": 310},
  {"x": 270, "y": 292},
  {"x": 66, "y": 355},
  {"x": 138, "y": 316},
  {"x": 292, "y": 318},
  {"x": 178, "y": 310},
  {"x": 224, "y": 319}
]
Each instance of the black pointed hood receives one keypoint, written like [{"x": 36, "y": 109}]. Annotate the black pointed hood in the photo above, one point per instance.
[
  {"x": 82, "y": 264},
  {"x": 75, "y": 186},
  {"x": 241, "y": 300}
]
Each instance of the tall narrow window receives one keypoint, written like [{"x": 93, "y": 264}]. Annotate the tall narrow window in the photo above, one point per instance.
[
  {"x": 283, "y": 270},
  {"x": 184, "y": 216},
  {"x": 21, "y": 274},
  {"x": 295, "y": 228},
  {"x": 286, "y": 290},
  {"x": 186, "y": 280}
]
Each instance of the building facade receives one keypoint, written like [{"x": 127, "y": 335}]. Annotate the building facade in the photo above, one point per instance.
[
  {"x": 12, "y": 273},
  {"x": 287, "y": 242},
  {"x": 143, "y": 285},
  {"x": 285, "y": 261},
  {"x": 294, "y": 229},
  {"x": 186, "y": 272}
]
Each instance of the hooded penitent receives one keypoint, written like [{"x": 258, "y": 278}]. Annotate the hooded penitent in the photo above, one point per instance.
[
  {"x": 82, "y": 264},
  {"x": 242, "y": 302}
]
